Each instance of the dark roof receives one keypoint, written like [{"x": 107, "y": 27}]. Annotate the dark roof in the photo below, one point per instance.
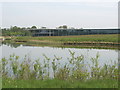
[{"x": 73, "y": 29}]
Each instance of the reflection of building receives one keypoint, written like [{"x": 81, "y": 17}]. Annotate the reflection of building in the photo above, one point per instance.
[{"x": 65, "y": 32}]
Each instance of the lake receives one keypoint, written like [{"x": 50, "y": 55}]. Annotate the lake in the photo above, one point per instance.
[
  {"x": 34, "y": 52},
  {"x": 106, "y": 56}
]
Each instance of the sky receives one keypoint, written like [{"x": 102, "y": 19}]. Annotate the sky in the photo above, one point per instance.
[{"x": 54, "y": 13}]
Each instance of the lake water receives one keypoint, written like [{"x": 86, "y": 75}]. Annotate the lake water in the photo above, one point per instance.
[
  {"x": 34, "y": 53},
  {"x": 106, "y": 56}
]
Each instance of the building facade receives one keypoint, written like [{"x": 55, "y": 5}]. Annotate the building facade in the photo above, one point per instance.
[{"x": 66, "y": 32}]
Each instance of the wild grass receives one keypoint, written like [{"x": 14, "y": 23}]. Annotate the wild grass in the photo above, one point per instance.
[
  {"x": 79, "y": 38},
  {"x": 54, "y": 83},
  {"x": 81, "y": 41},
  {"x": 72, "y": 74}
]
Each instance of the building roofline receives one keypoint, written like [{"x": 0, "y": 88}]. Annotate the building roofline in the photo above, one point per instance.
[{"x": 73, "y": 29}]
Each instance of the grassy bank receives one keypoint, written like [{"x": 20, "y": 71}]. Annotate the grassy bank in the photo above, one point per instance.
[
  {"x": 54, "y": 83},
  {"x": 80, "y": 38},
  {"x": 91, "y": 41}
]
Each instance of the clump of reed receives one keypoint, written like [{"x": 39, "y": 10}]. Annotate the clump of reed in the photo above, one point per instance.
[{"x": 74, "y": 69}]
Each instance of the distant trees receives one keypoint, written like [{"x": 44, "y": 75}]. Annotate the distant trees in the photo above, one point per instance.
[
  {"x": 34, "y": 27},
  {"x": 25, "y": 31},
  {"x": 63, "y": 27},
  {"x": 15, "y": 31}
]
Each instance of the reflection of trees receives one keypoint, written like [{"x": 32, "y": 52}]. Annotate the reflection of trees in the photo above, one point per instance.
[{"x": 11, "y": 44}]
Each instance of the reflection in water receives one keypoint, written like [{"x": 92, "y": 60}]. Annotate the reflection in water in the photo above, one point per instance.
[{"x": 11, "y": 45}]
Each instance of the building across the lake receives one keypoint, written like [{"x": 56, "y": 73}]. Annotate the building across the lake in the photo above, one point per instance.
[{"x": 66, "y": 32}]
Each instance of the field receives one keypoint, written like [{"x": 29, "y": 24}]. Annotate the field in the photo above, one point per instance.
[
  {"x": 104, "y": 41},
  {"x": 81, "y": 38}
]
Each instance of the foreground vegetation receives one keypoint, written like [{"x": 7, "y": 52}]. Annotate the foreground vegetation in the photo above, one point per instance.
[
  {"x": 54, "y": 83},
  {"x": 72, "y": 74}
]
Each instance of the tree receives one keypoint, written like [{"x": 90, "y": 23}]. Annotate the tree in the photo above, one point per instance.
[
  {"x": 15, "y": 31},
  {"x": 64, "y": 27},
  {"x": 14, "y": 28},
  {"x": 34, "y": 27},
  {"x": 60, "y": 27}
]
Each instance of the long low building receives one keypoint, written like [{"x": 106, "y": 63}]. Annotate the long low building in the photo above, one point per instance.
[{"x": 66, "y": 32}]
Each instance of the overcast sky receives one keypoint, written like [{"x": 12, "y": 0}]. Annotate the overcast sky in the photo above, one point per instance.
[{"x": 77, "y": 13}]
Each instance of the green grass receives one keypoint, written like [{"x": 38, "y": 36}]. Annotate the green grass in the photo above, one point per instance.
[
  {"x": 54, "y": 83},
  {"x": 79, "y": 38},
  {"x": 0, "y": 82},
  {"x": 60, "y": 41}
]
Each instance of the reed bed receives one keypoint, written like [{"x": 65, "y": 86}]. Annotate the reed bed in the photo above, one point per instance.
[{"x": 75, "y": 71}]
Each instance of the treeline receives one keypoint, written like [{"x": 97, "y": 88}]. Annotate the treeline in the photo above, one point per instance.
[
  {"x": 24, "y": 31},
  {"x": 16, "y": 31}
]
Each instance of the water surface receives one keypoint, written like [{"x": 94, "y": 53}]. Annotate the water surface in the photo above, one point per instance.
[{"x": 34, "y": 52}]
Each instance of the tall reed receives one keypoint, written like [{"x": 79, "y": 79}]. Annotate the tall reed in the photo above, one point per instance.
[{"x": 74, "y": 69}]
